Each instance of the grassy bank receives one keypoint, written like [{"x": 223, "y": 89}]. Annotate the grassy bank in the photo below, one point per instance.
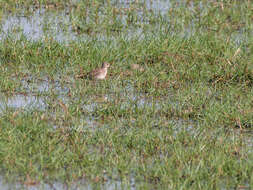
[{"x": 181, "y": 119}]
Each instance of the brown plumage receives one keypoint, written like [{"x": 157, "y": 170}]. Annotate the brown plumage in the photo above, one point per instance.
[{"x": 99, "y": 73}]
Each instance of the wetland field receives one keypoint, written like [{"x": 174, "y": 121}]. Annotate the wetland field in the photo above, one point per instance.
[{"x": 175, "y": 110}]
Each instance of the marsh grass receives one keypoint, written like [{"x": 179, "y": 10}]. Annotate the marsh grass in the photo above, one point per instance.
[{"x": 183, "y": 121}]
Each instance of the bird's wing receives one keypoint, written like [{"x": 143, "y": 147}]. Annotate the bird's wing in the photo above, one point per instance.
[{"x": 95, "y": 72}]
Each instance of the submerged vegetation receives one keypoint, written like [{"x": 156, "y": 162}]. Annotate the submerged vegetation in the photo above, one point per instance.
[{"x": 175, "y": 110}]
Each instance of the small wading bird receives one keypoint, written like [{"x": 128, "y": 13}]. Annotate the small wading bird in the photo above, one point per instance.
[{"x": 99, "y": 73}]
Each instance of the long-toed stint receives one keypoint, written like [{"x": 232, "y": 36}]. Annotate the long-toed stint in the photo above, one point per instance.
[{"x": 99, "y": 73}]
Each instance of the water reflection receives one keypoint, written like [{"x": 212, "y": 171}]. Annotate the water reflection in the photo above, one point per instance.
[
  {"x": 108, "y": 184},
  {"x": 38, "y": 26},
  {"x": 60, "y": 24},
  {"x": 133, "y": 19},
  {"x": 22, "y": 101}
]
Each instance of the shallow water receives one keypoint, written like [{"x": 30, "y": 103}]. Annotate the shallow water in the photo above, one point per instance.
[
  {"x": 43, "y": 24},
  {"x": 59, "y": 25},
  {"x": 38, "y": 26},
  {"x": 22, "y": 102},
  {"x": 108, "y": 184},
  {"x": 33, "y": 96}
]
